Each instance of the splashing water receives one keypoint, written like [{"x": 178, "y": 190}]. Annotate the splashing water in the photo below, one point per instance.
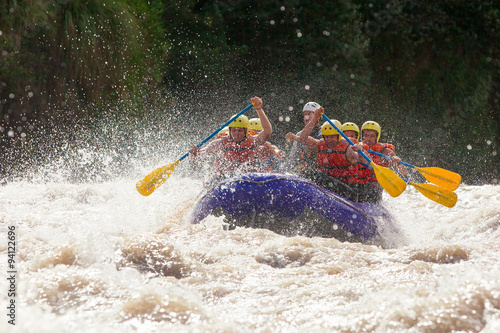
[{"x": 94, "y": 255}]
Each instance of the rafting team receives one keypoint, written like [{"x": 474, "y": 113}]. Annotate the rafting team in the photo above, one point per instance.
[{"x": 318, "y": 153}]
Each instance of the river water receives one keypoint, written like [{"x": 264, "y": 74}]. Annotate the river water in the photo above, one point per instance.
[{"x": 96, "y": 256}]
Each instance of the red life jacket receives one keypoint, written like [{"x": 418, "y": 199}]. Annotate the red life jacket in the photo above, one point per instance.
[
  {"x": 367, "y": 174},
  {"x": 362, "y": 170},
  {"x": 236, "y": 157},
  {"x": 334, "y": 162}
]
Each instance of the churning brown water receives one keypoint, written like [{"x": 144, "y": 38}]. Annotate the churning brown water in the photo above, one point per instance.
[{"x": 98, "y": 257}]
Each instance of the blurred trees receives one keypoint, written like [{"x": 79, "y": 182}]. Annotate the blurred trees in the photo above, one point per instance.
[
  {"x": 60, "y": 57},
  {"x": 428, "y": 71}
]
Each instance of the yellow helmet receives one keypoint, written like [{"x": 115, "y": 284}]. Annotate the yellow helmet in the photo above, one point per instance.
[
  {"x": 241, "y": 121},
  {"x": 255, "y": 125},
  {"x": 372, "y": 125},
  {"x": 351, "y": 127},
  {"x": 328, "y": 129}
]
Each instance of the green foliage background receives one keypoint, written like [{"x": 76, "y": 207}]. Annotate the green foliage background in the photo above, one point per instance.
[{"x": 427, "y": 71}]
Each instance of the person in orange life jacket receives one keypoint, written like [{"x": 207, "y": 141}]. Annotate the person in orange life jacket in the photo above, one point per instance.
[
  {"x": 265, "y": 152},
  {"x": 336, "y": 159},
  {"x": 235, "y": 153},
  {"x": 300, "y": 160},
  {"x": 369, "y": 188},
  {"x": 351, "y": 130}
]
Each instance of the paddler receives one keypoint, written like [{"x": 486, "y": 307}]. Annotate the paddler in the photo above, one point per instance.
[
  {"x": 369, "y": 188},
  {"x": 300, "y": 160},
  {"x": 235, "y": 153},
  {"x": 336, "y": 159}
]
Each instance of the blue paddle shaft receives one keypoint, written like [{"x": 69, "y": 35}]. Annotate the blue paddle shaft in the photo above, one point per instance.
[
  {"x": 218, "y": 130},
  {"x": 346, "y": 138},
  {"x": 385, "y": 156}
]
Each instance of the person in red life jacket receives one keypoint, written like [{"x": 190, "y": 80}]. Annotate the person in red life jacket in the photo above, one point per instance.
[
  {"x": 266, "y": 153},
  {"x": 336, "y": 159},
  {"x": 369, "y": 188},
  {"x": 351, "y": 130},
  {"x": 300, "y": 160},
  {"x": 235, "y": 153}
]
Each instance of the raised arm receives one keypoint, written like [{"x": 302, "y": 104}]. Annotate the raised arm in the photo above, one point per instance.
[
  {"x": 305, "y": 137},
  {"x": 304, "y": 134},
  {"x": 267, "y": 129}
]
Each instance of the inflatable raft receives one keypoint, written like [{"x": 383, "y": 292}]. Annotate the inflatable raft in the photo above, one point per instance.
[{"x": 289, "y": 205}]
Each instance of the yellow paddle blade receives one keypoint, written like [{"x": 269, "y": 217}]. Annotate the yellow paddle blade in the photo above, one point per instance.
[
  {"x": 437, "y": 194},
  {"x": 154, "y": 180},
  {"x": 441, "y": 177},
  {"x": 389, "y": 180}
]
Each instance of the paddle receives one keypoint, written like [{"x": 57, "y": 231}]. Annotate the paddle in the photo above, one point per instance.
[
  {"x": 446, "y": 179},
  {"x": 434, "y": 192},
  {"x": 437, "y": 194},
  {"x": 156, "y": 178},
  {"x": 387, "y": 178}
]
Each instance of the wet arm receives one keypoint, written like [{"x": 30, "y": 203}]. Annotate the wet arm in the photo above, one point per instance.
[
  {"x": 306, "y": 132},
  {"x": 267, "y": 129}
]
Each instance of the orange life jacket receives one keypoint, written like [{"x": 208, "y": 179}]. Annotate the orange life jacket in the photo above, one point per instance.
[
  {"x": 334, "y": 162},
  {"x": 366, "y": 174},
  {"x": 362, "y": 170},
  {"x": 236, "y": 157}
]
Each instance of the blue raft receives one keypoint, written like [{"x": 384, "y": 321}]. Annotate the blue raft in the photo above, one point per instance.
[{"x": 290, "y": 205}]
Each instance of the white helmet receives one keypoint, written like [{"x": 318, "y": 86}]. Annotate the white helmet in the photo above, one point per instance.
[{"x": 311, "y": 106}]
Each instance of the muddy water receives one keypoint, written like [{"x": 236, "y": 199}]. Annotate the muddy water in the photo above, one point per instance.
[{"x": 98, "y": 257}]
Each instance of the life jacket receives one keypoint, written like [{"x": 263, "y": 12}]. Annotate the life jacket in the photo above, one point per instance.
[
  {"x": 236, "y": 157},
  {"x": 307, "y": 159},
  {"x": 334, "y": 162},
  {"x": 366, "y": 174},
  {"x": 363, "y": 171}
]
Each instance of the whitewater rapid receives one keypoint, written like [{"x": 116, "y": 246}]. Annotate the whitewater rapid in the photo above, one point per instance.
[{"x": 99, "y": 257}]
